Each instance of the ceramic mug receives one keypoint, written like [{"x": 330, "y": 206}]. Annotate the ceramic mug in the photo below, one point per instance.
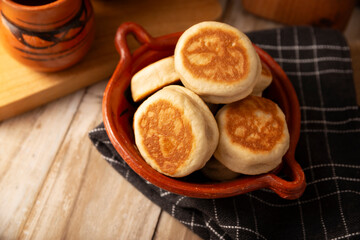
[
  {"x": 47, "y": 35},
  {"x": 320, "y": 13}
]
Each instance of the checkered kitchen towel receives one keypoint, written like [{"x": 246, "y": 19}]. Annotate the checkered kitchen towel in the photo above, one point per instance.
[{"x": 318, "y": 63}]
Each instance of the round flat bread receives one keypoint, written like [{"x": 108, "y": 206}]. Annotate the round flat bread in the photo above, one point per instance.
[
  {"x": 153, "y": 77},
  {"x": 215, "y": 170},
  {"x": 264, "y": 80},
  {"x": 175, "y": 132},
  {"x": 217, "y": 62},
  {"x": 253, "y": 135}
]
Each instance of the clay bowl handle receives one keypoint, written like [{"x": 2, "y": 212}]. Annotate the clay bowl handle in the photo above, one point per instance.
[
  {"x": 288, "y": 189},
  {"x": 121, "y": 43},
  {"x": 295, "y": 187},
  {"x": 144, "y": 38},
  {"x": 150, "y": 47}
]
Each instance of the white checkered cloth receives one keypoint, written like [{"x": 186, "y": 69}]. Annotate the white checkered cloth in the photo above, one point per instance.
[{"x": 318, "y": 63}]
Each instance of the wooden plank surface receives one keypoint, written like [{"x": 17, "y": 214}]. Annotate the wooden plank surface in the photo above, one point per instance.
[
  {"x": 22, "y": 88},
  {"x": 171, "y": 228},
  {"x": 26, "y": 156},
  {"x": 84, "y": 196},
  {"x": 55, "y": 185}
]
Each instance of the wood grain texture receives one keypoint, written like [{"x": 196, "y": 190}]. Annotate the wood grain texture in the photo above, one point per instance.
[
  {"x": 72, "y": 195},
  {"x": 171, "y": 228},
  {"x": 22, "y": 89},
  {"x": 26, "y": 156},
  {"x": 59, "y": 192}
]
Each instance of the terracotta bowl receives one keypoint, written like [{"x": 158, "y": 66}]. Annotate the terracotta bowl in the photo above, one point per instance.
[{"x": 118, "y": 110}]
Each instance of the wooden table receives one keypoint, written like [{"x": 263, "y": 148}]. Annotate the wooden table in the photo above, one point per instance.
[{"x": 55, "y": 185}]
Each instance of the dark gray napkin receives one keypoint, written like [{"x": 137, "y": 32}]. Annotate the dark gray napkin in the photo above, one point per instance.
[{"x": 318, "y": 63}]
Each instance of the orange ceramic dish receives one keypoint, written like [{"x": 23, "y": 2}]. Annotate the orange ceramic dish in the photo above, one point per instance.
[{"x": 118, "y": 111}]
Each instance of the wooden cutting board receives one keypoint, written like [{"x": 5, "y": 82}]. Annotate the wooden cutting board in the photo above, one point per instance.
[{"x": 22, "y": 89}]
